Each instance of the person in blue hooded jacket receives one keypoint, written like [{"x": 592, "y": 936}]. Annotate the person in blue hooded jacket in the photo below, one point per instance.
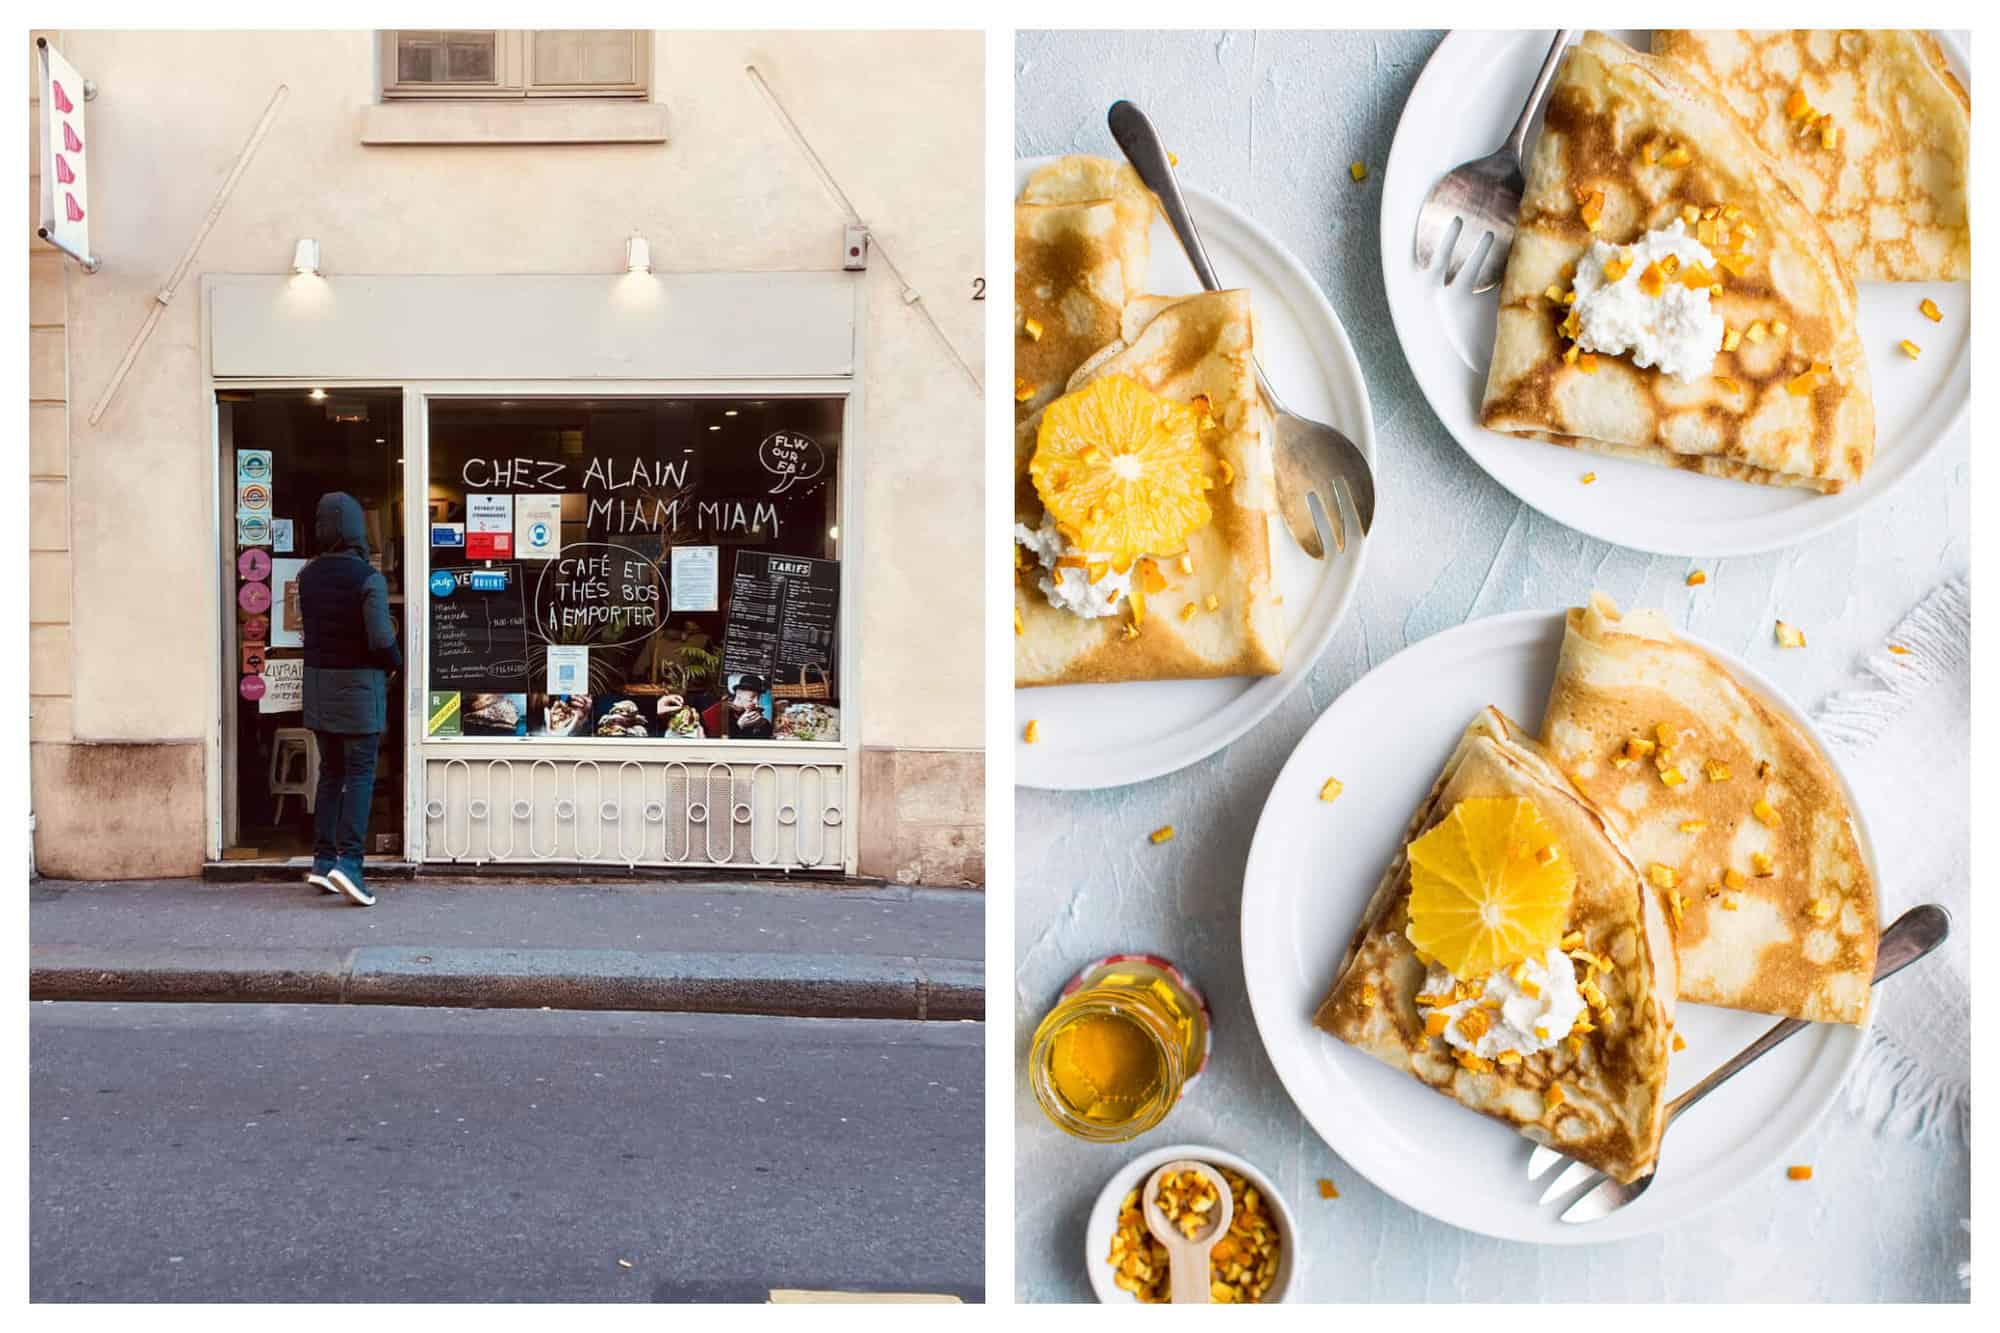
[{"x": 351, "y": 649}]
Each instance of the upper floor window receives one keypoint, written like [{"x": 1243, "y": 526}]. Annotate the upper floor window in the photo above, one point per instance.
[{"x": 515, "y": 62}]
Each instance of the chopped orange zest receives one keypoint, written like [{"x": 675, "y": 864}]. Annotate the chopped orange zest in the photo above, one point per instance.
[
  {"x": 1696, "y": 578},
  {"x": 1033, "y": 731},
  {"x": 1358, "y": 170},
  {"x": 1588, "y": 477},
  {"x": 1326, "y": 1189},
  {"x": 1329, "y": 789},
  {"x": 1798, "y": 1172},
  {"x": 1164, "y": 833},
  {"x": 1931, "y": 311}
]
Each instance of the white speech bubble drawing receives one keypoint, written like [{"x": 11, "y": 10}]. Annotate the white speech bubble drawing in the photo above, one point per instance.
[{"x": 791, "y": 458}]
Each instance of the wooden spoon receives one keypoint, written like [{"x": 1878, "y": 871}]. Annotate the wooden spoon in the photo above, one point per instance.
[{"x": 1188, "y": 1256}]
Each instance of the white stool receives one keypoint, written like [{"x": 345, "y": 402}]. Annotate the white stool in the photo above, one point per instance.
[{"x": 294, "y": 751}]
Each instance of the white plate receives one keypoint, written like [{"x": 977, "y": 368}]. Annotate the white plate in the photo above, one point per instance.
[
  {"x": 1460, "y": 109},
  {"x": 1109, "y": 735},
  {"x": 1312, "y": 868},
  {"x": 1103, "y": 1223}
]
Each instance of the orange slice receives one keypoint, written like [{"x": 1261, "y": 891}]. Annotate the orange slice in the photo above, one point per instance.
[
  {"x": 1484, "y": 894},
  {"x": 1122, "y": 468}
]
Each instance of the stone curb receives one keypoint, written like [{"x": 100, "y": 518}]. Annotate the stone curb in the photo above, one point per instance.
[{"x": 788, "y": 985}]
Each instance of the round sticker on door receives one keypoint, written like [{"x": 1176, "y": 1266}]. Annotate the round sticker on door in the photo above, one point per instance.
[
  {"x": 443, "y": 583},
  {"x": 256, "y": 629},
  {"x": 254, "y": 598},
  {"x": 253, "y": 495},
  {"x": 254, "y": 564},
  {"x": 251, "y": 688}
]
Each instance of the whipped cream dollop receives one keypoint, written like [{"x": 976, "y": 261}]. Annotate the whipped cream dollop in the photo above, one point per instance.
[
  {"x": 1068, "y": 587},
  {"x": 1538, "y": 1003},
  {"x": 1675, "y": 330}
]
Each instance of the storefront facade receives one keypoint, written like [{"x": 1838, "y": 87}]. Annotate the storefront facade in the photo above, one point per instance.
[{"x": 669, "y": 485}]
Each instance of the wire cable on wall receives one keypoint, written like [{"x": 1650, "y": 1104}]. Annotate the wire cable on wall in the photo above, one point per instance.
[{"x": 911, "y": 296}]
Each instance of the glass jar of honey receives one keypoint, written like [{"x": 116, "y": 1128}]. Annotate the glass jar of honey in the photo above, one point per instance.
[{"x": 1128, "y": 1037}]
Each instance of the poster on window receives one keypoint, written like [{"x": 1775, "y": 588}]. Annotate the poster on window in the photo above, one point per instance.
[
  {"x": 696, "y": 577},
  {"x": 537, "y": 527},
  {"x": 489, "y": 527},
  {"x": 784, "y": 612},
  {"x": 284, "y": 686},
  {"x": 569, "y": 668},
  {"x": 288, "y": 625}
]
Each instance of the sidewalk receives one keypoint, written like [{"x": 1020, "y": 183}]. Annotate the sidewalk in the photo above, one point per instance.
[{"x": 708, "y": 946}]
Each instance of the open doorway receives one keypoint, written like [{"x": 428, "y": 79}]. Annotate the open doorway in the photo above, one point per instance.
[{"x": 282, "y": 449}]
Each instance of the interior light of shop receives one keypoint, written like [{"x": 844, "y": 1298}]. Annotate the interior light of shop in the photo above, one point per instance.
[
  {"x": 834, "y": 532},
  {"x": 317, "y": 395},
  {"x": 305, "y": 257},
  {"x": 729, "y": 412},
  {"x": 638, "y": 255},
  {"x": 715, "y": 428}
]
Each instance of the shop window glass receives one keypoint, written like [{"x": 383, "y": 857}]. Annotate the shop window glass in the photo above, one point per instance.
[{"x": 612, "y": 570}]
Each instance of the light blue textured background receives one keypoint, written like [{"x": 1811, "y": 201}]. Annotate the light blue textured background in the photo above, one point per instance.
[{"x": 1270, "y": 122}]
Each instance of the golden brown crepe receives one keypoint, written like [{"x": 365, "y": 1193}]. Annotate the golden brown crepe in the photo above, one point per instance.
[
  {"x": 1081, "y": 242},
  {"x": 1798, "y": 941},
  {"x": 1765, "y": 413},
  {"x": 1069, "y": 286},
  {"x": 1886, "y": 171},
  {"x": 1180, "y": 348},
  {"x": 1613, "y": 1080}
]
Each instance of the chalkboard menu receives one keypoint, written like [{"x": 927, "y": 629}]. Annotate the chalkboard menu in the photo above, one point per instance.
[
  {"x": 479, "y": 630},
  {"x": 783, "y": 611}
]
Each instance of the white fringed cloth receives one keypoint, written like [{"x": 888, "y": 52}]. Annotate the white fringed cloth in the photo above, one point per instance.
[{"x": 1904, "y": 736}]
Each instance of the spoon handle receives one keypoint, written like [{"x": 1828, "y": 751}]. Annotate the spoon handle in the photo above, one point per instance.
[
  {"x": 1188, "y": 1270},
  {"x": 1141, "y": 145}
]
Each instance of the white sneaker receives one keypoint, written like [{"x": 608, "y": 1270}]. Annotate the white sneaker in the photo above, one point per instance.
[
  {"x": 355, "y": 892},
  {"x": 320, "y": 882}
]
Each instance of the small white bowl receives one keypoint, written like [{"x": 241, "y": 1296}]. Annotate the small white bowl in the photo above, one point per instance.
[{"x": 1103, "y": 1222}]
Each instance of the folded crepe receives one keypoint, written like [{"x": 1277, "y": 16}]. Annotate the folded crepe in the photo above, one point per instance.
[
  {"x": 1634, "y": 143},
  {"x": 1612, "y": 1079},
  {"x": 1081, "y": 243},
  {"x": 1869, "y": 127},
  {"x": 1181, "y": 348},
  {"x": 1742, "y": 827}
]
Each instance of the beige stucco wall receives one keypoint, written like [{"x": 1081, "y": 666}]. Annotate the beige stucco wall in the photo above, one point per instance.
[{"x": 896, "y": 117}]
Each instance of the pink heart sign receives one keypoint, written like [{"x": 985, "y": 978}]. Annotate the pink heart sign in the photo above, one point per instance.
[
  {"x": 63, "y": 173},
  {"x": 63, "y": 104},
  {"x": 70, "y": 141},
  {"x": 71, "y": 208}
]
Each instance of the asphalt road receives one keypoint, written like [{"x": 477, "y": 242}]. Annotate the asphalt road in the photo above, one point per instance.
[{"x": 334, "y": 1153}]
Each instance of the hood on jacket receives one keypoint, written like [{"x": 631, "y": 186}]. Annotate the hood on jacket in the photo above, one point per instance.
[{"x": 339, "y": 526}]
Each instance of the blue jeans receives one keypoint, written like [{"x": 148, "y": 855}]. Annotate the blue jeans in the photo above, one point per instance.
[{"x": 340, "y": 809}]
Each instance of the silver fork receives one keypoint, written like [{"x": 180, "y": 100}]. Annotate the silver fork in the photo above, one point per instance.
[
  {"x": 1484, "y": 194},
  {"x": 1912, "y": 935},
  {"x": 1309, "y": 456}
]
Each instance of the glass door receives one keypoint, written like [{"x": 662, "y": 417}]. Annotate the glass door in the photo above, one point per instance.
[{"x": 282, "y": 449}]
